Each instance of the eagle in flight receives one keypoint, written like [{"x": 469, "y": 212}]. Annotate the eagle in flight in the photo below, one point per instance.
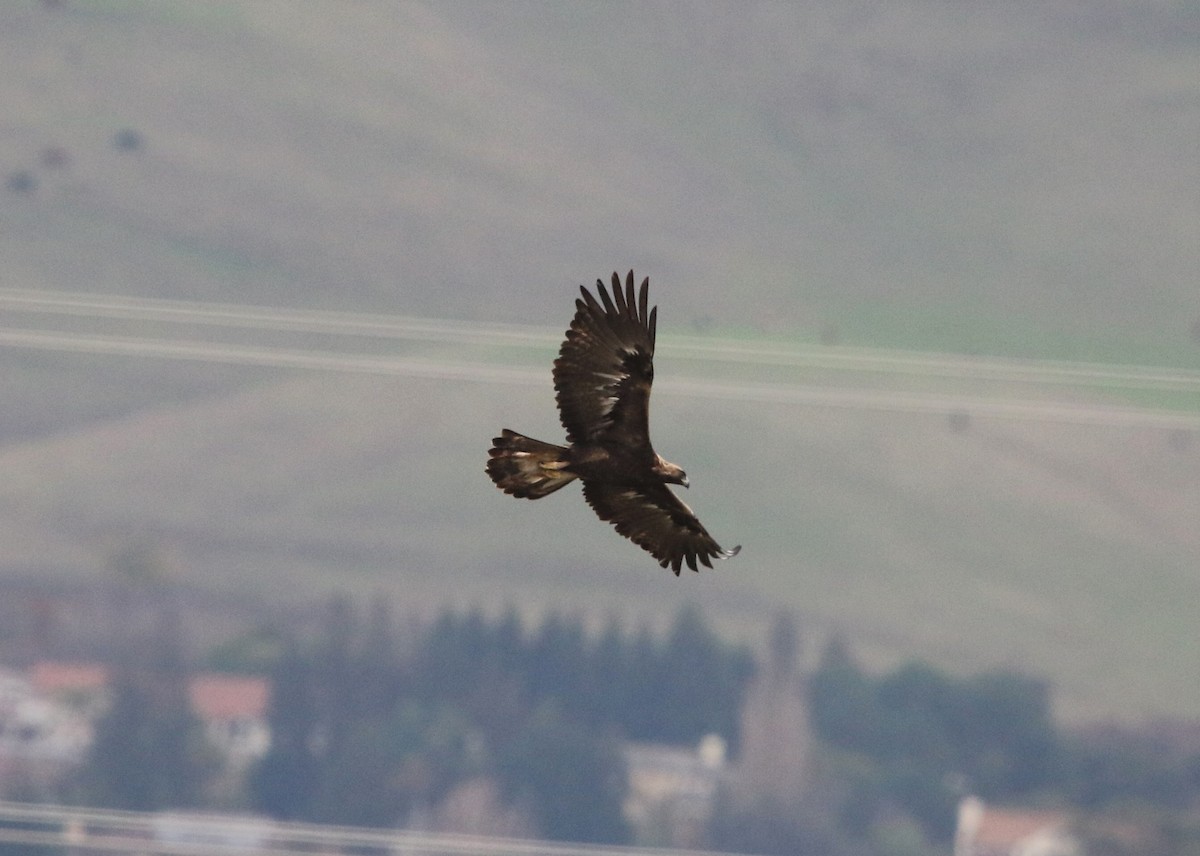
[{"x": 602, "y": 378}]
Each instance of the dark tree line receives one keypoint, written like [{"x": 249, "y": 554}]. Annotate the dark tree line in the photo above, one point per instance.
[
  {"x": 148, "y": 751},
  {"x": 372, "y": 729},
  {"x": 932, "y": 737},
  {"x": 673, "y": 690},
  {"x": 928, "y": 738},
  {"x": 364, "y": 733}
]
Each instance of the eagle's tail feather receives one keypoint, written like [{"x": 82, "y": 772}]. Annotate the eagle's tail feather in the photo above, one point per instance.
[{"x": 526, "y": 467}]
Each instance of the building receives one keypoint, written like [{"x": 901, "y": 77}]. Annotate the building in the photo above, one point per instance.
[
  {"x": 81, "y": 686},
  {"x": 40, "y": 738},
  {"x": 671, "y": 790},
  {"x": 985, "y": 830},
  {"x": 233, "y": 709},
  {"x": 65, "y": 698}
]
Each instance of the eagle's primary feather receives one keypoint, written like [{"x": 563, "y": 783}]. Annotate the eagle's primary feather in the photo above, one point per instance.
[{"x": 602, "y": 380}]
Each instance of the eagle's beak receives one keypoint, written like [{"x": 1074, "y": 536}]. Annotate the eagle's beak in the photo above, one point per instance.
[{"x": 683, "y": 481}]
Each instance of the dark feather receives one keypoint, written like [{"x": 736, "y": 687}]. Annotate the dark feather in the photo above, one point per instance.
[
  {"x": 605, "y": 367},
  {"x": 658, "y": 521},
  {"x": 602, "y": 381}
]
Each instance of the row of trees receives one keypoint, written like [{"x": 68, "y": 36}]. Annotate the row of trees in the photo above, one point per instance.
[
  {"x": 374, "y": 727},
  {"x": 364, "y": 734},
  {"x": 670, "y": 690},
  {"x": 919, "y": 738},
  {"x": 148, "y": 751},
  {"x": 929, "y": 738}
]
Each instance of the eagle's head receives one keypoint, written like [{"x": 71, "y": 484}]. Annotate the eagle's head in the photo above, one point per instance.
[{"x": 669, "y": 472}]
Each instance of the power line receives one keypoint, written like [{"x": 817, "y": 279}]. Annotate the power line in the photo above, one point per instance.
[
  {"x": 192, "y": 834},
  {"x": 254, "y": 355},
  {"x": 446, "y": 331},
  {"x": 888, "y": 401},
  {"x": 230, "y": 315}
]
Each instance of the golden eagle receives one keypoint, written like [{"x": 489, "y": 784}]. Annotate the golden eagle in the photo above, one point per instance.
[{"x": 602, "y": 377}]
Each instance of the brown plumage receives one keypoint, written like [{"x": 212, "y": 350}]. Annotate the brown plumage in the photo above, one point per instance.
[{"x": 602, "y": 377}]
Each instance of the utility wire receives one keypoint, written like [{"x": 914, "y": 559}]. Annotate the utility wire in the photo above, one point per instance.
[
  {"x": 71, "y": 828},
  {"x": 862, "y": 360},
  {"x": 760, "y": 392}
]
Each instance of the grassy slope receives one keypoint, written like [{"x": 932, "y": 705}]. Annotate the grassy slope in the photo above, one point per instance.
[
  {"x": 1066, "y": 550},
  {"x": 1015, "y": 184},
  {"x": 784, "y": 169}
]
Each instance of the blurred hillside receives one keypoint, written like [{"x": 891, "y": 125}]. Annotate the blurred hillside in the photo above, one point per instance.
[
  {"x": 455, "y": 160},
  {"x": 1020, "y": 183}
]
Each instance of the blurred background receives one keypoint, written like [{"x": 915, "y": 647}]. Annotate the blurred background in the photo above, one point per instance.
[{"x": 273, "y": 274}]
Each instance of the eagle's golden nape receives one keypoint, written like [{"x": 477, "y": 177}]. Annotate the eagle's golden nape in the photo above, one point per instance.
[{"x": 602, "y": 380}]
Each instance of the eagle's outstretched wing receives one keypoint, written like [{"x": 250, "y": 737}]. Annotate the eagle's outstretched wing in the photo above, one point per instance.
[
  {"x": 602, "y": 378},
  {"x": 658, "y": 521},
  {"x": 606, "y": 364}
]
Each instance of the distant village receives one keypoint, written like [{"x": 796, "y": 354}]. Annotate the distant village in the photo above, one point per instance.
[
  {"x": 47, "y": 716},
  {"x": 48, "y": 713},
  {"x": 769, "y": 756},
  {"x": 46, "y": 724}
]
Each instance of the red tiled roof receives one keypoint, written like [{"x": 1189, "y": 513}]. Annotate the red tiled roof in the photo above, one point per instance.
[
  {"x": 213, "y": 696},
  {"x": 51, "y": 677},
  {"x": 216, "y": 696},
  {"x": 1002, "y": 828}
]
